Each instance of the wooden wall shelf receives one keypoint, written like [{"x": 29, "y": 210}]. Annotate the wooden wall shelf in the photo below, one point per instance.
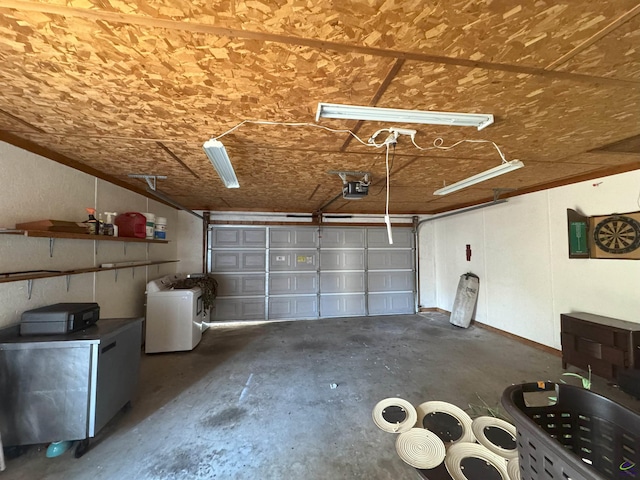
[
  {"x": 78, "y": 271},
  {"x": 78, "y": 236}
]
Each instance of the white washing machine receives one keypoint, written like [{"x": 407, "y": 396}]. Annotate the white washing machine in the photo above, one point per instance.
[{"x": 174, "y": 316}]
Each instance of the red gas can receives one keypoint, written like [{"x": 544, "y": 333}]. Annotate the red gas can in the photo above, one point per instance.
[{"x": 131, "y": 224}]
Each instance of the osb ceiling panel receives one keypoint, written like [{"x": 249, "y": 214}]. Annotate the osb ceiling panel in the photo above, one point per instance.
[
  {"x": 136, "y": 87},
  {"x": 617, "y": 55},
  {"x": 538, "y": 118},
  {"x": 603, "y": 159},
  {"x": 531, "y": 33},
  {"x": 168, "y": 84},
  {"x": 121, "y": 158}
]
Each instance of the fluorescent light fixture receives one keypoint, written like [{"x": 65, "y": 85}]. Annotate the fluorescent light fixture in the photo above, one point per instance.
[
  {"x": 501, "y": 169},
  {"x": 220, "y": 160},
  {"x": 355, "y": 112}
]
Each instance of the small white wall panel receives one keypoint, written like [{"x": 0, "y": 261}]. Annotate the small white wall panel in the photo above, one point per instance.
[
  {"x": 342, "y": 305},
  {"x": 387, "y": 260},
  {"x": 240, "y": 285},
  {"x": 293, "y": 283},
  {"x": 391, "y": 303},
  {"x": 342, "y": 237},
  {"x": 342, "y": 282},
  {"x": 302, "y": 237},
  {"x": 188, "y": 250},
  {"x": 303, "y": 306},
  {"x": 342, "y": 260},
  {"x": 299, "y": 260},
  {"x": 238, "y": 309}
]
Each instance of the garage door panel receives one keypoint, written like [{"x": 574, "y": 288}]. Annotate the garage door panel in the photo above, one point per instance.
[
  {"x": 293, "y": 307},
  {"x": 294, "y": 272},
  {"x": 342, "y": 282},
  {"x": 238, "y": 309},
  {"x": 391, "y": 303},
  {"x": 378, "y": 238},
  {"x": 236, "y": 261},
  {"x": 300, "y": 260},
  {"x": 390, "y": 259},
  {"x": 236, "y": 285},
  {"x": 293, "y": 283},
  {"x": 231, "y": 237},
  {"x": 304, "y": 237},
  {"x": 342, "y": 237},
  {"x": 342, "y": 260},
  {"x": 342, "y": 305},
  {"x": 391, "y": 281}
]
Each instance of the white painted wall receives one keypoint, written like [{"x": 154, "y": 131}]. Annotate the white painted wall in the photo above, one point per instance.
[
  {"x": 35, "y": 188},
  {"x": 519, "y": 251},
  {"x": 190, "y": 231}
]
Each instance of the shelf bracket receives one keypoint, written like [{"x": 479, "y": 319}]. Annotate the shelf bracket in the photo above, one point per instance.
[
  {"x": 29, "y": 288},
  {"x": 116, "y": 270},
  {"x": 151, "y": 179},
  {"x": 133, "y": 272},
  {"x": 125, "y": 248},
  {"x": 68, "y": 281},
  {"x": 51, "y": 242}
]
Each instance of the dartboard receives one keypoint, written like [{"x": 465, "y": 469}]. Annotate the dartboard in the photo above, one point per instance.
[{"x": 617, "y": 234}]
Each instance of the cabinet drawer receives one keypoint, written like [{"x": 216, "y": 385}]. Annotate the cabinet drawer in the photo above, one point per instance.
[
  {"x": 600, "y": 334},
  {"x": 595, "y": 350},
  {"x": 583, "y": 361}
]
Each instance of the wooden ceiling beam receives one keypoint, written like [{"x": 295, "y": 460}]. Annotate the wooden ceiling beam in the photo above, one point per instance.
[
  {"x": 177, "y": 159},
  {"x": 624, "y": 18},
  {"x": 21, "y": 122},
  {"x": 393, "y": 71},
  {"x": 318, "y": 44}
]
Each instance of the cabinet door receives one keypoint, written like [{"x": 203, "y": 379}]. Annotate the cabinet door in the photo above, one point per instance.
[
  {"x": 44, "y": 393},
  {"x": 117, "y": 374}
]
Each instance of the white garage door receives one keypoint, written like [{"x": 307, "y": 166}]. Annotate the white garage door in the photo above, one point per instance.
[{"x": 311, "y": 272}]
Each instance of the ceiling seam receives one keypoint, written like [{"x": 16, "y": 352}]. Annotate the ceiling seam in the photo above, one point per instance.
[
  {"x": 300, "y": 41},
  {"x": 288, "y": 149},
  {"x": 97, "y": 137}
]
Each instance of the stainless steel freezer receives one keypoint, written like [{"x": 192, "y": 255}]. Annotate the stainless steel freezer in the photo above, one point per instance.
[{"x": 66, "y": 387}]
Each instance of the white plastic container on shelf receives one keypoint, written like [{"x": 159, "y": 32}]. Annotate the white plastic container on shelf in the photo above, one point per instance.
[
  {"x": 151, "y": 222},
  {"x": 161, "y": 228}
]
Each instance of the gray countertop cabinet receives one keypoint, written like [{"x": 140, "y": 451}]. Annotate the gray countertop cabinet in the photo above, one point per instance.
[{"x": 66, "y": 387}]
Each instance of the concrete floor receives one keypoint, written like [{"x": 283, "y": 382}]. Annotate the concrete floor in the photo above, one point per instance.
[{"x": 256, "y": 402}]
